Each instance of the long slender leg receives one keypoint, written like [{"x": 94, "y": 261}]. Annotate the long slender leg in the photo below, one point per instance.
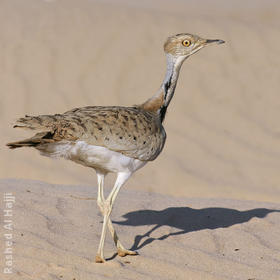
[
  {"x": 100, "y": 196},
  {"x": 122, "y": 252},
  {"x": 100, "y": 252},
  {"x": 106, "y": 206},
  {"x": 100, "y": 202},
  {"x": 112, "y": 196}
]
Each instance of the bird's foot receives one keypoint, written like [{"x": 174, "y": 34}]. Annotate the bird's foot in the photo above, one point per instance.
[
  {"x": 99, "y": 259},
  {"x": 124, "y": 252}
]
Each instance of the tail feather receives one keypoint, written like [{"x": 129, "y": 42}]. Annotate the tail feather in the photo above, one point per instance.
[
  {"x": 38, "y": 139},
  {"x": 43, "y": 122}
]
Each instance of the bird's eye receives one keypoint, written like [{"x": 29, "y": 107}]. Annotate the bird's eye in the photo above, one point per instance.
[{"x": 186, "y": 43}]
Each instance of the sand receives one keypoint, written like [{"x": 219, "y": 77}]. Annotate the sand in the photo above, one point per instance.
[
  {"x": 223, "y": 123},
  {"x": 221, "y": 158},
  {"x": 57, "y": 230}
]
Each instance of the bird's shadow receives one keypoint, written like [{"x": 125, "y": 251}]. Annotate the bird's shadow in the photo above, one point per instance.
[{"x": 187, "y": 219}]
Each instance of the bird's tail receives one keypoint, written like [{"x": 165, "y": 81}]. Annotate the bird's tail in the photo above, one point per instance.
[
  {"x": 41, "y": 123},
  {"x": 38, "y": 139}
]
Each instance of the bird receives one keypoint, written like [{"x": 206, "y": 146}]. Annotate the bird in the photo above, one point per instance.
[{"x": 113, "y": 139}]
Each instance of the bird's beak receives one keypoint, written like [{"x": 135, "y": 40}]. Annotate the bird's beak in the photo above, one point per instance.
[
  {"x": 204, "y": 43},
  {"x": 215, "y": 41}
]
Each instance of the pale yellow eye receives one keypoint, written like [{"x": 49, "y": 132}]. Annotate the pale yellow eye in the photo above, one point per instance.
[{"x": 186, "y": 43}]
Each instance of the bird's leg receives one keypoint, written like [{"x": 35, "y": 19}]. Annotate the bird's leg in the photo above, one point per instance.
[
  {"x": 122, "y": 252},
  {"x": 100, "y": 202},
  {"x": 106, "y": 208},
  {"x": 100, "y": 254},
  {"x": 100, "y": 196},
  {"x": 122, "y": 178}
]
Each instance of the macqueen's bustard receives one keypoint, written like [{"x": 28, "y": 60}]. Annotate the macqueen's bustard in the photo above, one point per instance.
[{"x": 113, "y": 139}]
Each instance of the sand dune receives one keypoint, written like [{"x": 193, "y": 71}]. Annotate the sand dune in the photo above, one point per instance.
[
  {"x": 57, "y": 230},
  {"x": 57, "y": 55}
]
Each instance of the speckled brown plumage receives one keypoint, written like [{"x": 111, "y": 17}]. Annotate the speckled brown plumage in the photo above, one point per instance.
[{"x": 132, "y": 131}]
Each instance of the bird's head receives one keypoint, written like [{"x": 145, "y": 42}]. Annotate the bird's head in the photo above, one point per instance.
[{"x": 183, "y": 45}]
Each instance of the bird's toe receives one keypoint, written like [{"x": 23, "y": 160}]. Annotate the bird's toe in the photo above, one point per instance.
[
  {"x": 124, "y": 252},
  {"x": 99, "y": 259}
]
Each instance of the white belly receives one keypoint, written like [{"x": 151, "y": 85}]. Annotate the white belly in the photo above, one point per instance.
[{"x": 94, "y": 156}]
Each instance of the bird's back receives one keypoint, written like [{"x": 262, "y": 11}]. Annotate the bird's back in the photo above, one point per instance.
[{"x": 131, "y": 131}]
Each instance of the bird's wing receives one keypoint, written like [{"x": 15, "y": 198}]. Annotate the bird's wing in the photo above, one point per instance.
[{"x": 128, "y": 130}]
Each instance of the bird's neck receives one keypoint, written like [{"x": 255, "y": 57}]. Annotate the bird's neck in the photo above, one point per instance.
[{"x": 160, "y": 101}]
